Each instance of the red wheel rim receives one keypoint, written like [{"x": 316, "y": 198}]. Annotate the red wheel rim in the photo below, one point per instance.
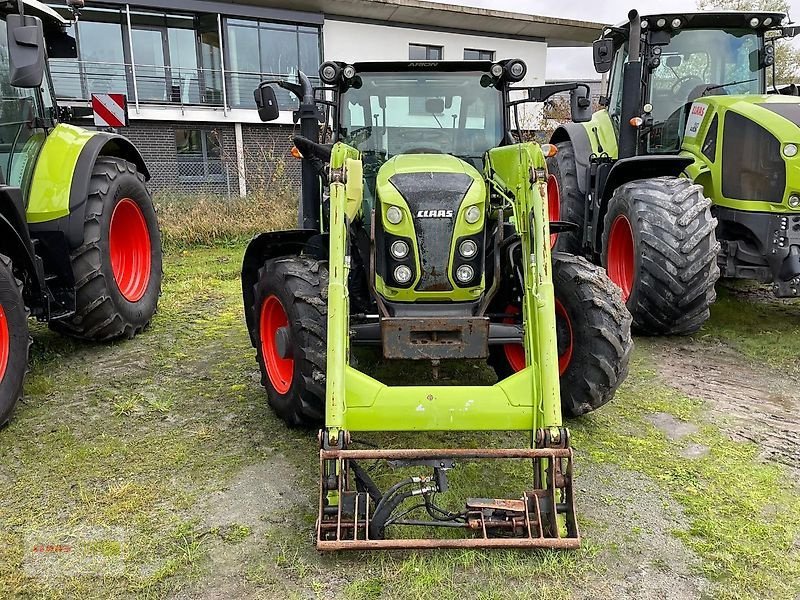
[
  {"x": 620, "y": 261},
  {"x": 279, "y": 370},
  {"x": 5, "y": 343},
  {"x": 565, "y": 356},
  {"x": 515, "y": 353},
  {"x": 129, "y": 246},
  {"x": 553, "y": 205}
]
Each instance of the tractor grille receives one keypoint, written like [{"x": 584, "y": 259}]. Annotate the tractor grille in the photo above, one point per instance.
[
  {"x": 424, "y": 193},
  {"x": 752, "y": 166}
]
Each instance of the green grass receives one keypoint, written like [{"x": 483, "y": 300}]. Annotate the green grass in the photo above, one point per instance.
[{"x": 131, "y": 442}]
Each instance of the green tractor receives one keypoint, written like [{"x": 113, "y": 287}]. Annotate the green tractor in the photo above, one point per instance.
[
  {"x": 424, "y": 233},
  {"x": 691, "y": 169},
  {"x": 79, "y": 242}
]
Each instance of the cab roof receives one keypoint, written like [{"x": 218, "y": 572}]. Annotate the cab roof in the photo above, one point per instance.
[{"x": 705, "y": 20}]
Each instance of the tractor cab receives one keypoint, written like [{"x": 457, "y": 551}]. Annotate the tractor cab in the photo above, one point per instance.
[{"x": 687, "y": 57}]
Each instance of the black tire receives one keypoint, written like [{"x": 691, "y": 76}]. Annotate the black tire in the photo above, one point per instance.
[
  {"x": 300, "y": 285},
  {"x": 563, "y": 168},
  {"x": 14, "y": 340},
  {"x": 674, "y": 253},
  {"x": 594, "y": 336},
  {"x": 103, "y": 312}
]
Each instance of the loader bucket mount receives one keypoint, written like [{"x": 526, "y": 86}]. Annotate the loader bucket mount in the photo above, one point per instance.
[{"x": 543, "y": 517}]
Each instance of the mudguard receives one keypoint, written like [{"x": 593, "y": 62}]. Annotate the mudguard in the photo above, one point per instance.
[
  {"x": 274, "y": 244},
  {"x": 61, "y": 180},
  {"x": 579, "y": 136},
  {"x": 642, "y": 167}
]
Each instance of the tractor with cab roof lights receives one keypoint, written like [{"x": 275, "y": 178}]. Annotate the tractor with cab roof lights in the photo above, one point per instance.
[
  {"x": 424, "y": 232},
  {"x": 691, "y": 170}
]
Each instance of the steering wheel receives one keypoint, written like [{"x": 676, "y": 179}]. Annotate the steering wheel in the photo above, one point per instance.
[
  {"x": 423, "y": 150},
  {"x": 684, "y": 85}
]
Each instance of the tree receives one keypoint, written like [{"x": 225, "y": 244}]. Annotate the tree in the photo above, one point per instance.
[{"x": 787, "y": 57}]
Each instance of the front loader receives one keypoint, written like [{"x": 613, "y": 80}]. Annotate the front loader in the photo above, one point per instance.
[
  {"x": 80, "y": 247},
  {"x": 690, "y": 171},
  {"x": 424, "y": 233}
]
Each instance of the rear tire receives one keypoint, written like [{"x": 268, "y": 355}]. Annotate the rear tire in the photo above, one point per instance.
[
  {"x": 293, "y": 292},
  {"x": 659, "y": 246},
  {"x": 117, "y": 269},
  {"x": 594, "y": 336},
  {"x": 572, "y": 204},
  {"x": 14, "y": 340}
]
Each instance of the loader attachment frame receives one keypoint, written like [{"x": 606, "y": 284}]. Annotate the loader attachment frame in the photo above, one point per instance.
[{"x": 527, "y": 401}]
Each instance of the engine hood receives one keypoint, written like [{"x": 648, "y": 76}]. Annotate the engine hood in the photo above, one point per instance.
[{"x": 780, "y": 115}]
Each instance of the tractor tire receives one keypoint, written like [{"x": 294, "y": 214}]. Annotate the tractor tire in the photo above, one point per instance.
[
  {"x": 14, "y": 340},
  {"x": 117, "y": 268},
  {"x": 660, "y": 248},
  {"x": 292, "y": 293},
  {"x": 565, "y": 200},
  {"x": 594, "y": 336}
]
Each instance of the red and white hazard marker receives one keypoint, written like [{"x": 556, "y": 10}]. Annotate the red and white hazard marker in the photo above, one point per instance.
[{"x": 110, "y": 110}]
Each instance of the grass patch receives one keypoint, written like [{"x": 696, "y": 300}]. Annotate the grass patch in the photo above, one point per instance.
[
  {"x": 215, "y": 220},
  {"x": 767, "y": 330}
]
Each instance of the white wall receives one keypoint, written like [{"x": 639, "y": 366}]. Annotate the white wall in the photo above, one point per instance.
[{"x": 354, "y": 42}]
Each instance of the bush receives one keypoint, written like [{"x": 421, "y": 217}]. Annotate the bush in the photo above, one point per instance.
[{"x": 208, "y": 219}]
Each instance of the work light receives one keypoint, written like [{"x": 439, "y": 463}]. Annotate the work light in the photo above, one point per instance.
[
  {"x": 329, "y": 72},
  {"x": 402, "y": 274},
  {"x": 468, "y": 249},
  {"x": 464, "y": 274},
  {"x": 399, "y": 249}
]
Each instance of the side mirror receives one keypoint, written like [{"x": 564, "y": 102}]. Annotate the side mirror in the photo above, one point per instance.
[
  {"x": 434, "y": 106},
  {"x": 580, "y": 104},
  {"x": 790, "y": 31},
  {"x": 26, "y": 58},
  {"x": 603, "y": 51},
  {"x": 267, "y": 103}
]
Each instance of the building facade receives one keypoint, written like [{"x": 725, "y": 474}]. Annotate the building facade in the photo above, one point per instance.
[{"x": 189, "y": 69}]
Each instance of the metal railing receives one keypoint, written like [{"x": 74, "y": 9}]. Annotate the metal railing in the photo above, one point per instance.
[{"x": 160, "y": 84}]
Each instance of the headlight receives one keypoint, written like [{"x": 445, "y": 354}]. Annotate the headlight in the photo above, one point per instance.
[
  {"x": 468, "y": 249},
  {"x": 464, "y": 273},
  {"x": 661, "y": 22},
  {"x": 394, "y": 215},
  {"x": 676, "y": 23},
  {"x": 517, "y": 70},
  {"x": 794, "y": 201},
  {"x": 754, "y": 22},
  {"x": 399, "y": 249},
  {"x": 402, "y": 274},
  {"x": 472, "y": 215},
  {"x": 790, "y": 150},
  {"x": 329, "y": 72}
]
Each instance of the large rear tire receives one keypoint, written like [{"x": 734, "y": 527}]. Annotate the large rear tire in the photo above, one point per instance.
[
  {"x": 594, "y": 336},
  {"x": 290, "y": 311},
  {"x": 563, "y": 182},
  {"x": 117, "y": 269},
  {"x": 660, "y": 248},
  {"x": 14, "y": 340}
]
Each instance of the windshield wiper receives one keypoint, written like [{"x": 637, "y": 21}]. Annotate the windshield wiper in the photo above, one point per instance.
[{"x": 722, "y": 85}]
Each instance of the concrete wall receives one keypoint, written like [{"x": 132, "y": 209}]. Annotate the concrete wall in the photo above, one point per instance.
[{"x": 352, "y": 42}]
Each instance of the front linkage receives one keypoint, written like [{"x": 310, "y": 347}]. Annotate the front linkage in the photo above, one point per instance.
[{"x": 353, "y": 513}]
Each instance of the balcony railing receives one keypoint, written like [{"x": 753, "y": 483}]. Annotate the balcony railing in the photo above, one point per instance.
[{"x": 159, "y": 84}]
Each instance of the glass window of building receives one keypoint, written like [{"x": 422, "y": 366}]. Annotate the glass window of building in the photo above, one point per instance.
[
  {"x": 425, "y": 52},
  {"x": 473, "y": 54},
  {"x": 199, "y": 156},
  {"x": 258, "y": 50}
]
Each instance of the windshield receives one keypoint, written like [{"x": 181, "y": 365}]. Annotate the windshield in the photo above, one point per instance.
[
  {"x": 399, "y": 113},
  {"x": 20, "y": 142},
  {"x": 697, "y": 63}
]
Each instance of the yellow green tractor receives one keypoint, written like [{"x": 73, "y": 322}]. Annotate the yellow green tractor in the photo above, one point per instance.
[
  {"x": 424, "y": 234},
  {"x": 690, "y": 170},
  {"x": 80, "y": 247}
]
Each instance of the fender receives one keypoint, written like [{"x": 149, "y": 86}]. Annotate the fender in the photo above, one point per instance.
[
  {"x": 16, "y": 243},
  {"x": 579, "y": 136},
  {"x": 66, "y": 163},
  {"x": 274, "y": 244},
  {"x": 626, "y": 170}
]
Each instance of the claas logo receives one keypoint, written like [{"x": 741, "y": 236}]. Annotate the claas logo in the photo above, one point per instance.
[{"x": 427, "y": 214}]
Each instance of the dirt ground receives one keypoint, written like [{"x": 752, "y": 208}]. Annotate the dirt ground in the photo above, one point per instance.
[{"x": 153, "y": 468}]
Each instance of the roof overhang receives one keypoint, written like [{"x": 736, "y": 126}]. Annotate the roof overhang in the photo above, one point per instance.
[{"x": 424, "y": 14}]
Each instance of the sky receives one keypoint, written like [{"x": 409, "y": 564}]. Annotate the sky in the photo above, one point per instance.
[{"x": 576, "y": 63}]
